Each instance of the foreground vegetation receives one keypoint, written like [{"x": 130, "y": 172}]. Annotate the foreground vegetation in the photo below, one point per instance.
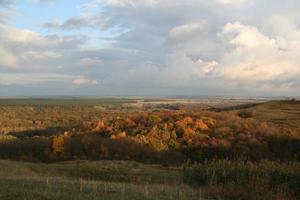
[
  {"x": 132, "y": 180},
  {"x": 246, "y": 180},
  {"x": 105, "y": 180}
]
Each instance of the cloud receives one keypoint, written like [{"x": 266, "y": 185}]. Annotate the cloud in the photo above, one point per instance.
[
  {"x": 256, "y": 58},
  {"x": 206, "y": 51},
  {"x": 133, "y": 3},
  {"x": 81, "y": 80},
  {"x": 173, "y": 47},
  {"x": 91, "y": 62},
  {"x": 145, "y": 3},
  {"x": 230, "y": 2},
  {"x": 6, "y": 2},
  {"x": 185, "y": 32},
  {"x": 22, "y": 49},
  {"x": 75, "y": 23},
  {"x": 45, "y": 1},
  {"x": 247, "y": 36},
  {"x": 34, "y": 78},
  {"x": 4, "y": 17}
]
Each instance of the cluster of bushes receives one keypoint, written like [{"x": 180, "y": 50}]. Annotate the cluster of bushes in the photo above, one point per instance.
[
  {"x": 246, "y": 180},
  {"x": 201, "y": 135}
]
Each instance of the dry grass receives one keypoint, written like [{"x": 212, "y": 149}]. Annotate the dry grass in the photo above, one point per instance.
[
  {"x": 58, "y": 181},
  {"x": 283, "y": 113}
]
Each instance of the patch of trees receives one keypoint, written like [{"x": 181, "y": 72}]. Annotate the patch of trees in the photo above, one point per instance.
[{"x": 167, "y": 137}]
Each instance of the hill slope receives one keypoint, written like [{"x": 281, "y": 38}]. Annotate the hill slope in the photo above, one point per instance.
[
  {"x": 283, "y": 113},
  {"x": 107, "y": 180}
]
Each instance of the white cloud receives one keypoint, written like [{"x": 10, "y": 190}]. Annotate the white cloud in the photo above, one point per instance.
[
  {"x": 22, "y": 49},
  {"x": 247, "y": 36},
  {"x": 255, "y": 57}
]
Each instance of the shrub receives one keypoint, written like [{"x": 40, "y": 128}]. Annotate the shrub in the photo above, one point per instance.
[
  {"x": 245, "y": 114},
  {"x": 273, "y": 175}
]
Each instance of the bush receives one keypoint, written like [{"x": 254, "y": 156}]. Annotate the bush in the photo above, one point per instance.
[{"x": 245, "y": 114}]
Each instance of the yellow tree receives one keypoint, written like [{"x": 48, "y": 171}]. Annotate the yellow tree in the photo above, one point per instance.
[{"x": 58, "y": 144}]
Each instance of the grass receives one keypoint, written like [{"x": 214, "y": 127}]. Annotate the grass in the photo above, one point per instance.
[
  {"x": 125, "y": 180},
  {"x": 283, "y": 113},
  {"x": 246, "y": 180},
  {"x": 107, "y": 180}
]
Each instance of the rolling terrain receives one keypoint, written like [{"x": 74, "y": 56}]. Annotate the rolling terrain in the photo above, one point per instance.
[{"x": 146, "y": 149}]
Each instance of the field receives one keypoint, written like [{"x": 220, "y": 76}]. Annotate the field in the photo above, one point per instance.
[
  {"x": 284, "y": 113},
  {"x": 132, "y": 180},
  {"x": 95, "y": 180},
  {"x": 135, "y": 148}
]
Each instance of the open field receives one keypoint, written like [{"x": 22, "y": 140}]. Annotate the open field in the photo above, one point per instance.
[
  {"x": 92, "y": 180},
  {"x": 284, "y": 113},
  {"x": 111, "y": 180}
]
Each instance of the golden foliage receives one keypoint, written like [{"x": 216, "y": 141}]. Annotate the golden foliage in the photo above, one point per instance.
[
  {"x": 199, "y": 124},
  {"x": 58, "y": 144},
  {"x": 99, "y": 127}
]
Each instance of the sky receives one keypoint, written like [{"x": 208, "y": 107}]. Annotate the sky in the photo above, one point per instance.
[{"x": 149, "y": 48}]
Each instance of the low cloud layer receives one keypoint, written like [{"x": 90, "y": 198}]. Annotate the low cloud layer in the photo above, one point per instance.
[{"x": 150, "y": 47}]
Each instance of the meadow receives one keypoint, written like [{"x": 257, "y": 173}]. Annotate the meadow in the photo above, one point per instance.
[{"x": 92, "y": 180}]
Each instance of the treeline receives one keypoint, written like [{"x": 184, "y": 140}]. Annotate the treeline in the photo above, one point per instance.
[
  {"x": 167, "y": 137},
  {"x": 94, "y": 147}
]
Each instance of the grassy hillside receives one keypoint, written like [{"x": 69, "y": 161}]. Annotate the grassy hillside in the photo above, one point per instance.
[
  {"x": 125, "y": 180},
  {"x": 283, "y": 113},
  {"x": 107, "y": 180}
]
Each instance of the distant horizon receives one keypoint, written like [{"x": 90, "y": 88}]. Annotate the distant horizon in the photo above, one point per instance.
[{"x": 151, "y": 97}]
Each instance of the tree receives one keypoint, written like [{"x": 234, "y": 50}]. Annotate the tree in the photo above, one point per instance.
[{"x": 58, "y": 144}]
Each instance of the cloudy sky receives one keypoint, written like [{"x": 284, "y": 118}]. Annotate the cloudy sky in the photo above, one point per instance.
[{"x": 149, "y": 47}]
